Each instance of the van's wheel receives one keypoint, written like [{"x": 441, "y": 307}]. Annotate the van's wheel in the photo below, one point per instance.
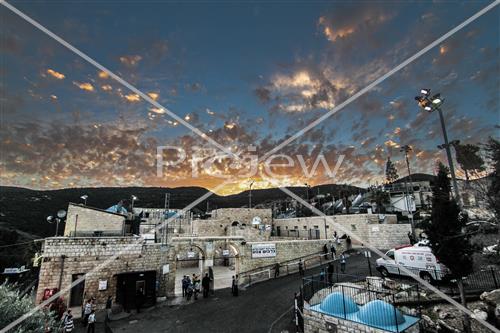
[
  {"x": 384, "y": 272},
  {"x": 426, "y": 277}
]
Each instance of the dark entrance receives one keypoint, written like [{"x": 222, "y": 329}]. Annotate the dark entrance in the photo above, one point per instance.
[
  {"x": 76, "y": 296},
  {"x": 278, "y": 231},
  {"x": 136, "y": 288}
]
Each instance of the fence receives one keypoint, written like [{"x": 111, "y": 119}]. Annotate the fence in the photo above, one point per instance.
[
  {"x": 477, "y": 282},
  {"x": 351, "y": 302},
  {"x": 285, "y": 268}
]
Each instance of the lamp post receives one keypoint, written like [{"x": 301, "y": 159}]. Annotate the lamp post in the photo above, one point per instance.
[
  {"x": 84, "y": 198},
  {"x": 406, "y": 149},
  {"x": 250, "y": 195},
  {"x": 431, "y": 104},
  {"x": 134, "y": 198},
  {"x": 61, "y": 214}
]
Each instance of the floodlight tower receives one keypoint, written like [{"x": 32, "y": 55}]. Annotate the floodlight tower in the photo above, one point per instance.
[{"x": 431, "y": 104}]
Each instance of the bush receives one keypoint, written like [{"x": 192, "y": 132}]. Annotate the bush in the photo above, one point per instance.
[{"x": 12, "y": 306}]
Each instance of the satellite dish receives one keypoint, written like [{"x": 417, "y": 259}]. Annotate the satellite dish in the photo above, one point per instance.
[
  {"x": 50, "y": 219},
  {"x": 61, "y": 214}
]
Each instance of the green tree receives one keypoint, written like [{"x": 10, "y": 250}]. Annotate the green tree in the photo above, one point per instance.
[
  {"x": 446, "y": 239},
  {"x": 493, "y": 194},
  {"x": 469, "y": 159},
  {"x": 12, "y": 306},
  {"x": 391, "y": 173}
]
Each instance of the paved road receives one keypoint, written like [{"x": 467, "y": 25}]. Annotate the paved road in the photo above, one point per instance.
[{"x": 255, "y": 310}]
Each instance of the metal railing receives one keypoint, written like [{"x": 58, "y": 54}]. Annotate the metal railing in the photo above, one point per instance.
[
  {"x": 291, "y": 266},
  {"x": 352, "y": 297}
]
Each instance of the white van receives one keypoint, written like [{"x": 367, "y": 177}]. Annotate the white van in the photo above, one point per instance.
[{"x": 418, "y": 259}]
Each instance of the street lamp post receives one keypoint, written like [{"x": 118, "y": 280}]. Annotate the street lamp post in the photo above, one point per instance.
[
  {"x": 250, "y": 195},
  {"x": 434, "y": 104},
  {"x": 406, "y": 149},
  {"x": 84, "y": 198},
  {"x": 134, "y": 198}
]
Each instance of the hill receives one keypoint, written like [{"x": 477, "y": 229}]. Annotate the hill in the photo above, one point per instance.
[{"x": 26, "y": 210}]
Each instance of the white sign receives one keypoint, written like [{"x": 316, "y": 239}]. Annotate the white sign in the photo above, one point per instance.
[
  {"x": 225, "y": 252},
  {"x": 256, "y": 220},
  {"x": 263, "y": 250},
  {"x": 103, "y": 284},
  {"x": 166, "y": 269},
  {"x": 190, "y": 254}
]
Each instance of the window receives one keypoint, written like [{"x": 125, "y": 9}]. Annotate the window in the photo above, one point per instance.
[
  {"x": 316, "y": 227},
  {"x": 353, "y": 227},
  {"x": 296, "y": 227},
  {"x": 305, "y": 227},
  {"x": 390, "y": 254}
]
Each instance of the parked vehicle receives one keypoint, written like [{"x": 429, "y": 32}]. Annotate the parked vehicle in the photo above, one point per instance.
[{"x": 418, "y": 259}]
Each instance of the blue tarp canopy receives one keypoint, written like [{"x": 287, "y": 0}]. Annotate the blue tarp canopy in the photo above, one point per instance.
[{"x": 117, "y": 209}]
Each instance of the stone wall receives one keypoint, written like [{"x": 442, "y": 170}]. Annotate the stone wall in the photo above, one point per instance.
[
  {"x": 242, "y": 215},
  {"x": 209, "y": 227},
  {"x": 89, "y": 219},
  {"x": 285, "y": 250},
  {"x": 316, "y": 322},
  {"x": 65, "y": 257},
  {"x": 367, "y": 227}
]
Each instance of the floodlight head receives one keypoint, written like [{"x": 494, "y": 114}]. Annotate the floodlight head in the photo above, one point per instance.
[
  {"x": 50, "y": 219},
  {"x": 425, "y": 92},
  {"x": 61, "y": 214},
  {"x": 428, "y": 108},
  {"x": 134, "y": 198},
  {"x": 84, "y": 197}
]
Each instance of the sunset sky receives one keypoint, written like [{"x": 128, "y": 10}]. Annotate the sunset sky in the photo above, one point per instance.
[{"x": 245, "y": 73}]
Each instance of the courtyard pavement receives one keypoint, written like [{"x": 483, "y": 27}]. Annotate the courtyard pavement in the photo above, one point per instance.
[{"x": 257, "y": 309}]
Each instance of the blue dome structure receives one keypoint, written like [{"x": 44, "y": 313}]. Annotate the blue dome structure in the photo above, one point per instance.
[
  {"x": 379, "y": 313},
  {"x": 338, "y": 304}
]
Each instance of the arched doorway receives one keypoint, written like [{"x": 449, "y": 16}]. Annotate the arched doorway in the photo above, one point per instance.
[
  {"x": 190, "y": 259},
  {"x": 226, "y": 264}
]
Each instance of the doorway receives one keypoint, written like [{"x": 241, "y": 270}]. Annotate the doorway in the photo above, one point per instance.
[{"x": 76, "y": 294}]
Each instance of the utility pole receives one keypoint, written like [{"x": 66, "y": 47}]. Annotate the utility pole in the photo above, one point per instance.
[
  {"x": 165, "y": 219},
  {"x": 406, "y": 149},
  {"x": 250, "y": 195}
]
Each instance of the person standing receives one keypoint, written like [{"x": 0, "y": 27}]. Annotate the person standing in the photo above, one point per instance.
[
  {"x": 334, "y": 251},
  {"x": 234, "y": 286},
  {"x": 197, "y": 287},
  {"x": 205, "y": 284},
  {"x": 348, "y": 242},
  {"x": 189, "y": 290},
  {"x": 325, "y": 250},
  {"x": 342, "y": 262},
  {"x": 91, "y": 320},
  {"x": 330, "y": 273},
  {"x": 301, "y": 268},
  {"x": 68, "y": 323},
  {"x": 276, "y": 270},
  {"x": 87, "y": 309},
  {"x": 185, "y": 283}
]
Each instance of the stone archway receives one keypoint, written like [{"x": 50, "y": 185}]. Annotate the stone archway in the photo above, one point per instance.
[{"x": 189, "y": 259}]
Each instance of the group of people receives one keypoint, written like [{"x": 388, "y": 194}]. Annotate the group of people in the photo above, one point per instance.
[{"x": 193, "y": 286}]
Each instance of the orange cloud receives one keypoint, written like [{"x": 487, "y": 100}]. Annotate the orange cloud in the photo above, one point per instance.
[
  {"x": 132, "y": 98},
  {"x": 106, "y": 87},
  {"x": 103, "y": 75},
  {"x": 153, "y": 95},
  {"x": 55, "y": 74},
  {"x": 84, "y": 86}
]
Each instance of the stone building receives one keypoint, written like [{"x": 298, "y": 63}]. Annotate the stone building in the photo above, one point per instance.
[
  {"x": 120, "y": 267},
  {"x": 86, "y": 221},
  {"x": 381, "y": 231}
]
